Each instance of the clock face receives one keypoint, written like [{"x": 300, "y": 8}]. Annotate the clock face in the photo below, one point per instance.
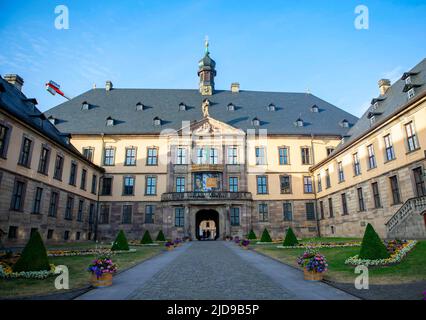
[{"x": 206, "y": 89}]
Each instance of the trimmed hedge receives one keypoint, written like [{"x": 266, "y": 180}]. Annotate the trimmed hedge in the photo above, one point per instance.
[
  {"x": 251, "y": 235},
  {"x": 160, "y": 236},
  {"x": 290, "y": 239},
  {"x": 265, "y": 236},
  {"x": 120, "y": 242},
  {"x": 372, "y": 247},
  {"x": 34, "y": 256},
  {"x": 146, "y": 239}
]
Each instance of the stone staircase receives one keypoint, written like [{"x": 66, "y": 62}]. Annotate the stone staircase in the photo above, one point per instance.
[{"x": 409, "y": 221}]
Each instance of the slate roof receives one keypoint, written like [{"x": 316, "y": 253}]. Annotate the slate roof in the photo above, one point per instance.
[
  {"x": 14, "y": 102},
  {"x": 394, "y": 100},
  {"x": 120, "y": 104}
]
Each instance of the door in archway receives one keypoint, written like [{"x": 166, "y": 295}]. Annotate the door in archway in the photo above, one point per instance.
[{"x": 207, "y": 225}]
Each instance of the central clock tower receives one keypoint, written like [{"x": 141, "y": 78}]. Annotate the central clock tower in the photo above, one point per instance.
[{"x": 206, "y": 72}]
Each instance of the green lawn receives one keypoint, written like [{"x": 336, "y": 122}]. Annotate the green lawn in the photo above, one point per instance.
[
  {"x": 412, "y": 268},
  {"x": 77, "y": 266},
  {"x": 336, "y": 239}
]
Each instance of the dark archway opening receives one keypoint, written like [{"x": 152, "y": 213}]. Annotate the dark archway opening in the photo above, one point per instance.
[{"x": 207, "y": 225}]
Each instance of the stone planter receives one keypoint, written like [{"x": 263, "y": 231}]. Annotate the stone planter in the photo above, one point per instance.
[
  {"x": 104, "y": 281},
  {"x": 312, "y": 276}
]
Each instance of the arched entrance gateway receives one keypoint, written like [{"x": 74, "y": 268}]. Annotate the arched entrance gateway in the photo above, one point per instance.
[{"x": 207, "y": 225}]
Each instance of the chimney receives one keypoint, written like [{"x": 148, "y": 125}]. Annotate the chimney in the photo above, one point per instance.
[
  {"x": 14, "y": 79},
  {"x": 384, "y": 85},
  {"x": 108, "y": 86},
  {"x": 235, "y": 87}
]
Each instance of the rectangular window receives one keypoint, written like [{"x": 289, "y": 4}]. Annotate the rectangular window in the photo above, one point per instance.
[
  {"x": 25, "y": 155},
  {"x": 319, "y": 182},
  {"x": 327, "y": 179},
  {"x": 376, "y": 195},
  {"x": 181, "y": 156},
  {"x": 109, "y": 156},
  {"x": 59, "y": 164},
  {"x": 371, "y": 157},
  {"x": 412, "y": 142},
  {"x": 37, "y": 200},
  {"x": 307, "y": 184},
  {"x": 322, "y": 210},
  {"x": 130, "y": 159},
  {"x": 357, "y": 165},
  {"x": 306, "y": 155},
  {"x": 180, "y": 184},
  {"x": 128, "y": 186},
  {"x": 263, "y": 212},
  {"x": 91, "y": 214},
  {"x": 341, "y": 172},
  {"x": 419, "y": 181},
  {"x": 49, "y": 234},
  {"x": 4, "y": 139},
  {"x": 310, "y": 211},
  {"x": 88, "y": 153},
  {"x": 73, "y": 173},
  {"x": 361, "y": 203},
  {"x": 329, "y": 151},
  {"x": 233, "y": 184},
  {"x": 77, "y": 235},
  {"x": 235, "y": 216},
  {"x": 43, "y": 166},
  {"x": 151, "y": 186},
  {"x": 106, "y": 186},
  {"x": 344, "y": 204},
  {"x": 179, "y": 217},
  {"x": 94, "y": 183},
  {"x": 390, "y": 154},
  {"x": 18, "y": 196},
  {"x": 201, "y": 156},
  {"x": 396, "y": 197},
  {"x": 149, "y": 213},
  {"x": 83, "y": 179},
  {"x": 53, "y": 205},
  {"x": 283, "y": 155},
  {"x": 13, "y": 233},
  {"x": 260, "y": 156},
  {"x": 232, "y": 155},
  {"x": 80, "y": 210},
  {"x": 330, "y": 207},
  {"x": 287, "y": 211},
  {"x": 66, "y": 235},
  {"x": 152, "y": 157},
  {"x": 127, "y": 214},
  {"x": 104, "y": 214},
  {"x": 262, "y": 185},
  {"x": 69, "y": 208},
  {"x": 285, "y": 184},
  {"x": 213, "y": 156}
]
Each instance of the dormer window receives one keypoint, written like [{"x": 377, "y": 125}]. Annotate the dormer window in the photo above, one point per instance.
[
  {"x": 52, "y": 120},
  {"x": 85, "y": 106},
  {"x": 255, "y": 122},
  {"x": 372, "y": 120},
  {"x": 344, "y": 123},
  {"x": 375, "y": 105},
  {"x": 139, "y": 106},
  {"x": 109, "y": 122},
  {"x": 315, "y": 109},
  {"x": 411, "y": 93},
  {"x": 182, "y": 106},
  {"x": 408, "y": 80},
  {"x": 231, "y": 107},
  {"x": 299, "y": 122},
  {"x": 157, "y": 121},
  {"x": 271, "y": 107}
]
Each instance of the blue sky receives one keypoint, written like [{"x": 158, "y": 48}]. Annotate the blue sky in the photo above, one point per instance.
[{"x": 264, "y": 45}]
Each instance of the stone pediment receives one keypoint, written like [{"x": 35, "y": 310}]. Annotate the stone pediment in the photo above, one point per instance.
[{"x": 209, "y": 126}]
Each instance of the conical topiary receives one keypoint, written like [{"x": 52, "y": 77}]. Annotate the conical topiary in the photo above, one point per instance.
[
  {"x": 146, "y": 239},
  {"x": 265, "y": 236},
  {"x": 160, "y": 236},
  {"x": 120, "y": 242},
  {"x": 251, "y": 235},
  {"x": 372, "y": 246},
  {"x": 290, "y": 239},
  {"x": 34, "y": 256}
]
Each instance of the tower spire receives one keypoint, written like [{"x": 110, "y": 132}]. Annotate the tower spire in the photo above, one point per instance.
[{"x": 206, "y": 44}]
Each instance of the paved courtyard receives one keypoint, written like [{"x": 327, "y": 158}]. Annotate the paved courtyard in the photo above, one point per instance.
[{"x": 213, "y": 270}]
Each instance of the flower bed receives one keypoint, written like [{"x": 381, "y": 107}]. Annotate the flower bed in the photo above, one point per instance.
[
  {"x": 6, "y": 272},
  {"x": 85, "y": 252},
  {"x": 397, "y": 248},
  {"x": 320, "y": 245}
]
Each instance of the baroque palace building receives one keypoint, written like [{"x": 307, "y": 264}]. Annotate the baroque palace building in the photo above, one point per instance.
[{"x": 211, "y": 163}]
